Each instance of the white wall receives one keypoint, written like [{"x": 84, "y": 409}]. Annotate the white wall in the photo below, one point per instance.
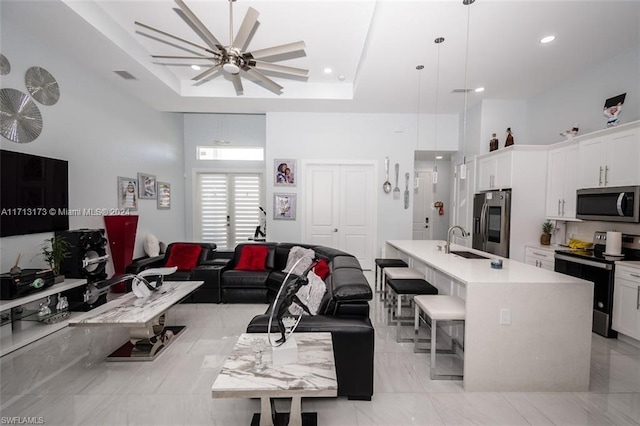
[
  {"x": 441, "y": 192},
  {"x": 581, "y": 99},
  {"x": 497, "y": 116},
  {"x": 242, "y": 130},
  {"x": 339, "y": 137},
  {"x": 103, "y": 133}
]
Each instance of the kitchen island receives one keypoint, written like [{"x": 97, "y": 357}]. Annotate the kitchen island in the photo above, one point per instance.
[{"x": 527, "y": 329}]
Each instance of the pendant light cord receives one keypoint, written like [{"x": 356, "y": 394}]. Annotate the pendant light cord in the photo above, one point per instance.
[
  {"x": 466, "y": 89},
  {"x": 438, "y": 41}
]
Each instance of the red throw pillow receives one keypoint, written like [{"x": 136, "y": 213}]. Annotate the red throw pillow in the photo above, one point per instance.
[
  {"x": 253, "y": 258},
  {"x": 322, "y": 269},
  {"x": 184, "y": 256}
]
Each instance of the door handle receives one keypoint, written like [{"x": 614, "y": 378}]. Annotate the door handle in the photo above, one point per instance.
[
  {"x": 638, "y": 298},
  {"x": 606, "y": 173},
  {"x": 635, "y": 275},
  {"x": 600, "y": 177},
  {"x": 335, "y": 229},
  {"x": 563, "y": 207},
  {"x": 558, "y": 206},
  {"x": 621, "y": 198}
]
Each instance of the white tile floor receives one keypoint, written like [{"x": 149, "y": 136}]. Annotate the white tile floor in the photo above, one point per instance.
[{"x": 64, "y": 380}]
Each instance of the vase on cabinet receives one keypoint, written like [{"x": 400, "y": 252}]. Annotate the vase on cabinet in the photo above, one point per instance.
[{"x": 545, "y": 239}]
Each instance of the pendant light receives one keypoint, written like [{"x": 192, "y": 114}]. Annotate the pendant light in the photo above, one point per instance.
[
  {"x": 419, "y": 68},
  {"x": 438, "y": 41},
  {"x": 463, "y": 166}
]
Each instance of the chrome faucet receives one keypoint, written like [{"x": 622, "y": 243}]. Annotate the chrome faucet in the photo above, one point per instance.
[{"x": 447, "y": 247}]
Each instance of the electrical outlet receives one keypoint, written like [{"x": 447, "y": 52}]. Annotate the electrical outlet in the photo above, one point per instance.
[{"x": 505, "y": 316}]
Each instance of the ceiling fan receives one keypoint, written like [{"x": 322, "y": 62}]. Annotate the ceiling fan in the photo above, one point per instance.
[{"x": 232, "y": 59}]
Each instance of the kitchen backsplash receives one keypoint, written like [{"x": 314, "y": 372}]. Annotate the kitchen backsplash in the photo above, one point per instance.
[{"x": 585, "y": 230}]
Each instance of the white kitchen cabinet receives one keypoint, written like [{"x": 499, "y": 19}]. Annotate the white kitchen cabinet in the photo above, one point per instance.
[
  {"x": 562, "y": 182},
  {"x": 626, "y": 301},
  {"x": 494, "y": 171},
  {"x": 539, "y": 257},
  {"x": 611, "y": 158}
]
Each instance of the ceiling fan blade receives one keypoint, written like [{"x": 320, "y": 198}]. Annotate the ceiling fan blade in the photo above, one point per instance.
[
  {"x": 198, "y": 26},
  {"x": 237, "y": 84},
  {"x": 268, "y": 66},
  {"x": 277, "y": 50},
  {"x": 206, "y": 49},
  {"x": 271, "y": 85},
  {"x": 210, "y": 58},
  {"x": 246, "y": 27},
  {"x": 207, "y": 72}
]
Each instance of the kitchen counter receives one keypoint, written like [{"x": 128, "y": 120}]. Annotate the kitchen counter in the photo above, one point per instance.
[
  {"x": 527, "y": 329},
  {"x": 477, "y": 270},
  {"x": 629, "y": 263}
]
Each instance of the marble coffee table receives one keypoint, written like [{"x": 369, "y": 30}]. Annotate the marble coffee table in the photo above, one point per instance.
[
  {"x": 314, "y": 375},
  {"x": 145, "y": 319}
]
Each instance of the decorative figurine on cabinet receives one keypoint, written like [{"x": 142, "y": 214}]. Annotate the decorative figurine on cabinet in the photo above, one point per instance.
[
  {"x": 569, "y": 134},
  {"x": 509, "y": 140},
  {"x": 612, "y": 108},
  {"x": 493, "y": 143}
]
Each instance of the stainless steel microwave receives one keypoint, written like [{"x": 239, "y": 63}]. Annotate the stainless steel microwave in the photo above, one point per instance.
[{"x": 615, "y": 204}]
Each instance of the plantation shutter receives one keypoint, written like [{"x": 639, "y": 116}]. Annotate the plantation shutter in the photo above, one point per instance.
[{"x": 228, "y": 211}]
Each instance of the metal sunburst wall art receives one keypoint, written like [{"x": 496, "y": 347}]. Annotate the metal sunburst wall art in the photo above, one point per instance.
[
  {"x": 42, "y": 86},
  {"x": 20, "y": 118},
  {"x": 5, "y": 66}
]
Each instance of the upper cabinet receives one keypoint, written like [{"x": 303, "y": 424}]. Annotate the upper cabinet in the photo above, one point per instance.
[
  {"x": 610, "y": 159},
  {"x": 494, "y": 171},
  {"x": 562, "y": 182}
]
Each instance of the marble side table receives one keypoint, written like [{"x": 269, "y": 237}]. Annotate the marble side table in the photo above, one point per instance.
[{"x": 314, "y": 375}]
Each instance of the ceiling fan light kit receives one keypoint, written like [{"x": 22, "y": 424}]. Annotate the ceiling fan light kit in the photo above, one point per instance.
[{"x": 233, "y": 59}]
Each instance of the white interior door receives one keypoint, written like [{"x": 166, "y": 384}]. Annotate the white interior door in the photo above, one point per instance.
[
  {"x": 422, "y": 208},
  {"x": 321, "y": 206},
  {"x": 340, "y": 208}
]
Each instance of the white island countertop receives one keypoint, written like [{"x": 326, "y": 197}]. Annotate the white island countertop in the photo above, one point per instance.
[
  {"x": 526, "y": 329},
  {"x": 478, "y": 270}
]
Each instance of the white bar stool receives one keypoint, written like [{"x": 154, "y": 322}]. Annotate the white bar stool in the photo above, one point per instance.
[
  {"x": 438, "y": 308},
  {"x": 398, "y": 273}
]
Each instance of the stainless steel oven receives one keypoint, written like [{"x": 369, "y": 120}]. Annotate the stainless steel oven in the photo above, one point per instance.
[{"x": 595, "y": 266}]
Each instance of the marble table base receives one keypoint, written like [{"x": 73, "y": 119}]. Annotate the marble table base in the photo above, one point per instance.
[{"x": 146, "y": 349}]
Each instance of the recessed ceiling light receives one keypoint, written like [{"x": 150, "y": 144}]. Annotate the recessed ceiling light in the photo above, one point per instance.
[
  {"x": 195, "y": 67},
  {"x": 479, "y": 89},
  {"x": 439, "y": 157},
  {"x": 547, "y": 39},
  {"x": 341, "y": 77},
  {"x": 328, "y": 70}
]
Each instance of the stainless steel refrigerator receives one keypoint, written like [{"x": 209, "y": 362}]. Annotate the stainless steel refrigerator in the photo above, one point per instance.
[{"x": 492, "y": 221}]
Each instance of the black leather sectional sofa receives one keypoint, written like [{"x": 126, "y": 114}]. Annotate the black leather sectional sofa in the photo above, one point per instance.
[{"x": 344, "y": 310}]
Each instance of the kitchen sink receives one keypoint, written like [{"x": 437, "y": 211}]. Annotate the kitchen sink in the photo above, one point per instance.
[{"x": 468, "y": 254}]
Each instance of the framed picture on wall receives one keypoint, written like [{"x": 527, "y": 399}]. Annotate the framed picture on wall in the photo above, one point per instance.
[
  {"x": 164, "y": 196},
  {"x": 127, "y": 193},
  {"x": 284, "y": 172},
  {"x": 147, "y": 186},
  {"x": 284, "y": 206}
]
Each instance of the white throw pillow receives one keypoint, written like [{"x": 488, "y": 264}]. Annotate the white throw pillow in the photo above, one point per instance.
[
  {"x": 310, "y": 294},
  {"x": 296, "y": 253},
  {"x": 151, "y": 245}
]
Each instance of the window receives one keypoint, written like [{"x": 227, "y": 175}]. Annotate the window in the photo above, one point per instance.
[
  {"x": 229, "y": 153},
  {"x": 228, "y": 207}
]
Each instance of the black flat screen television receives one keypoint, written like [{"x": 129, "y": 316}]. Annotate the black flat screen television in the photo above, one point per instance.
[{"x": 34, "y": 194}]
